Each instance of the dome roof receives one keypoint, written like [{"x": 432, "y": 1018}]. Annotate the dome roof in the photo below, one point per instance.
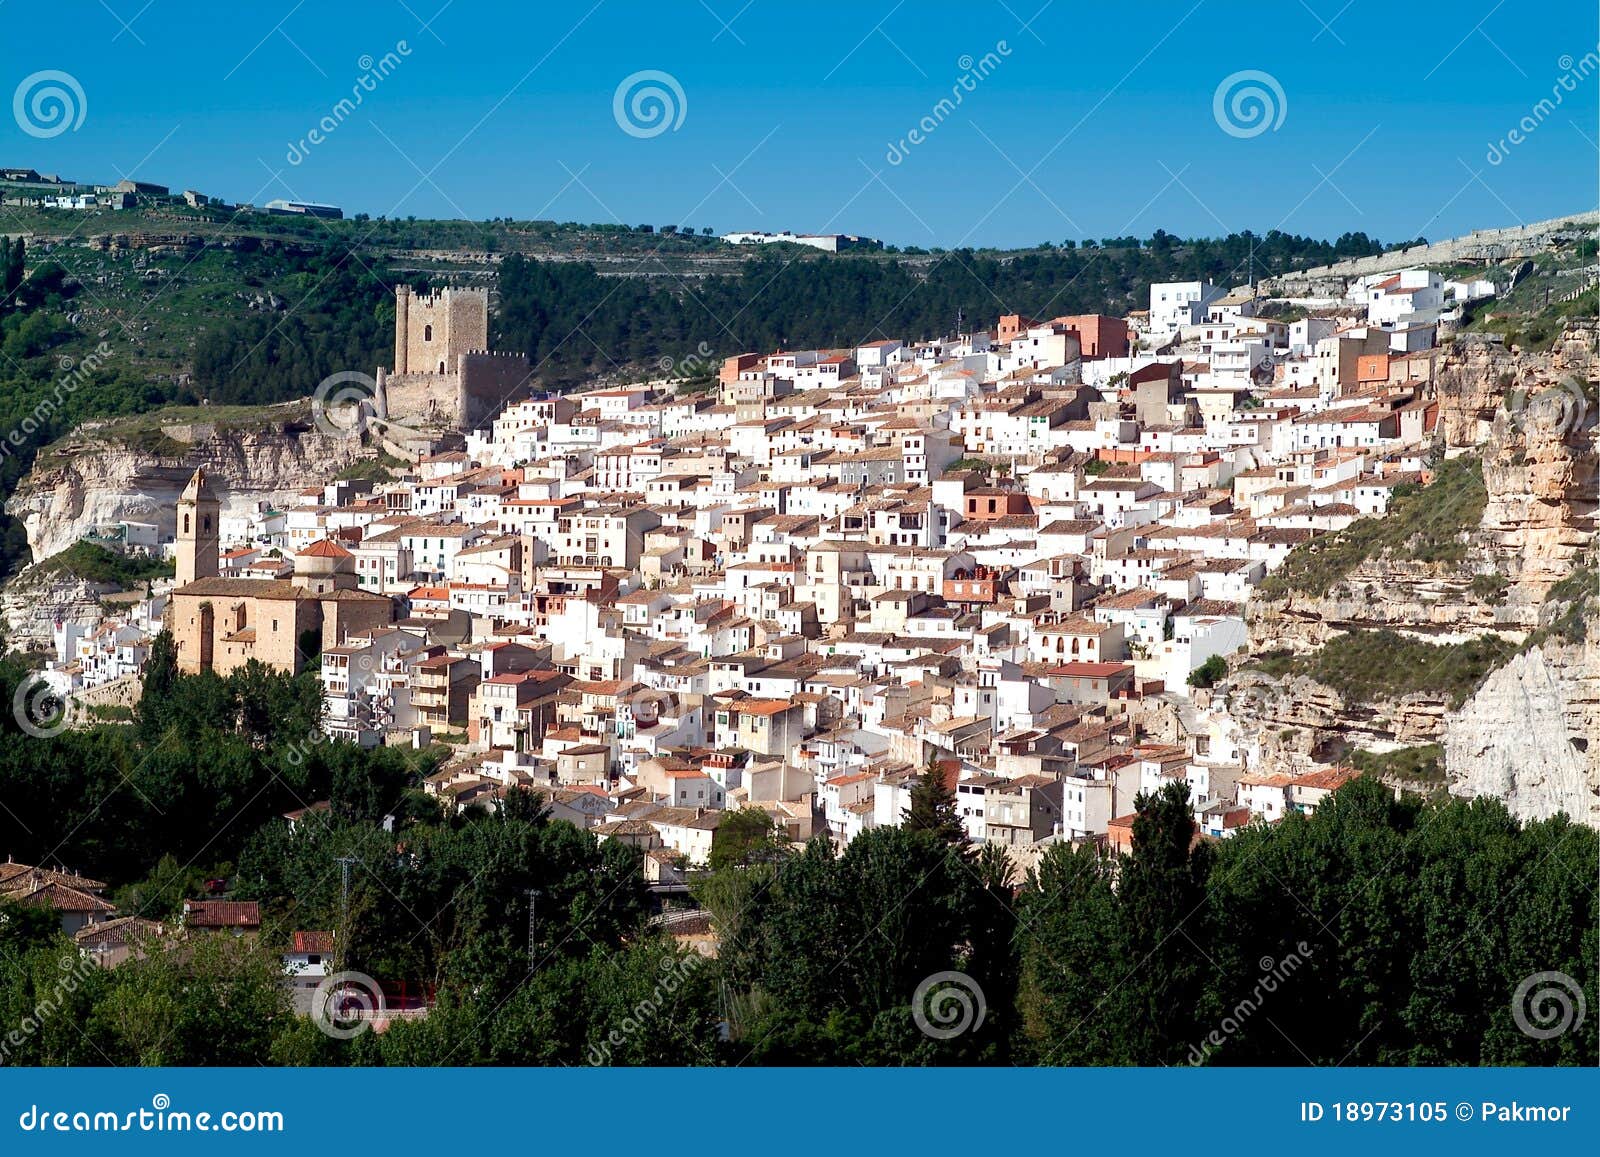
[{"x": 325, "y": 548}]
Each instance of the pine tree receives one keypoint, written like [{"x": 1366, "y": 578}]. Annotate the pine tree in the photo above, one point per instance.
[
  {"x": 933, "y": 807},
  {"x": 14, "y": 267},
  {"x": 154, "y": 713},
  {"x": 1163, "y": 885}
]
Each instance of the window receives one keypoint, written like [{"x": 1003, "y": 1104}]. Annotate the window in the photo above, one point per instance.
[{"x": 427, "y": 333}]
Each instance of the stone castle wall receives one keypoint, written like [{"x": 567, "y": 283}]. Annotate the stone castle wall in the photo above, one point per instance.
[
  {"x": 432, "y": 330},
  {"x": 445, "y": 374}
]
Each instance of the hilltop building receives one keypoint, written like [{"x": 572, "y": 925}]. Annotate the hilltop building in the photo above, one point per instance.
[{"x": 444, "y": 373}]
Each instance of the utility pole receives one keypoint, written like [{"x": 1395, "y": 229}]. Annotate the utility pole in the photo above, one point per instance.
[
  {"x": 533, "y": 926},
  {"x": 342, "y": 936}
]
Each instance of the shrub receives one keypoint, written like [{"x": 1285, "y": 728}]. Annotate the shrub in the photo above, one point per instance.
[
  {"x": 1365, "y": 666},
  {"x": 1209, "y": 673}
]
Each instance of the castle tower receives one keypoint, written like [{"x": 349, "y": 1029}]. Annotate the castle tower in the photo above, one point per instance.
[
  {"x": 402, "y": 328},
  {"x": 432, "y": 331},
  {"x": 199, "y": 519}
]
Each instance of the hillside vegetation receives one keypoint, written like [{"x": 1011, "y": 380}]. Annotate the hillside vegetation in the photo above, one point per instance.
[
  {"x": 94, "y": 563},
  {"x": 1424, "y": 524},
  {"x": 1366, "y": 666}
]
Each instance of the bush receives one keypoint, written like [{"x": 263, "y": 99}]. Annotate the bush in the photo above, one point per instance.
[
  {"x": 94, "y": 563},
  {"x": 1423, "y": 764},
  {"x": 1365, "y": 666},
  {"x": 1209, "y": 673},
  {"x": 1489, "y": 588}
]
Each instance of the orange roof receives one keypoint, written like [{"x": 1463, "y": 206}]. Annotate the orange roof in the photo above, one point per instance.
[
  {"x": 1091, "y": 670},
  {"x": 1328, "y": 778},
  {"x": 325, "y": 548}
]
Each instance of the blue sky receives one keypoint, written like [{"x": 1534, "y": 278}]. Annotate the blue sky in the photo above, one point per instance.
[{"x": 1082, "y": 124}]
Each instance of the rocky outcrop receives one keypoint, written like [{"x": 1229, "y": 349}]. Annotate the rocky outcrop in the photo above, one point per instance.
[
  {"x": 1294, "y": 723},
  {"x": 1474, "y": 379},
  {"x": 1531, "y": 735},
  {"x": 34, "y": 601},
  {"x": 101, "y": 476},
  {"x": 1481, "y": 376},
  {"x": 1540, "y": 471}
]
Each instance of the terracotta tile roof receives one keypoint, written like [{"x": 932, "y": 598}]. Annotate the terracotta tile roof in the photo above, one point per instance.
[
  {"x": 321, "y": 942},
  {"x": 222, "y": 913}
]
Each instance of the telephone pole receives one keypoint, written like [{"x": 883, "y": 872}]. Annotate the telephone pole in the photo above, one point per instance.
[
  {"x": 533, "y": 927},
  {"x": 342, "y": 936}
]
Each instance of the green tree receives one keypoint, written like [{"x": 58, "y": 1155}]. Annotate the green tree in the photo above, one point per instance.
[
  {"x": 1209, "y": 673},
  {"x": 933, "y": 808},
  {"x": 745, "y": 836},
  {"x": 1162, "y": 888},
  {"x": 15, "y": 267}
]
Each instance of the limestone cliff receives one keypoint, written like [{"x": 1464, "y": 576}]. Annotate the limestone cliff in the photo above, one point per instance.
[
  {"x": 1530, "y": 733},
  {"x": 102, "y": 475},
  {"x": 32, "y": 602},
  {"x": 111, "y": 471}
]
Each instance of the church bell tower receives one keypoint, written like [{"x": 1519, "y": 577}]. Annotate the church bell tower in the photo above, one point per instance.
[{"x": 199, "y": 513}]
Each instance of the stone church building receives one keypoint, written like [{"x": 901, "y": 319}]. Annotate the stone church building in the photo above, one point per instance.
[{"x": 220, "y": 624}]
